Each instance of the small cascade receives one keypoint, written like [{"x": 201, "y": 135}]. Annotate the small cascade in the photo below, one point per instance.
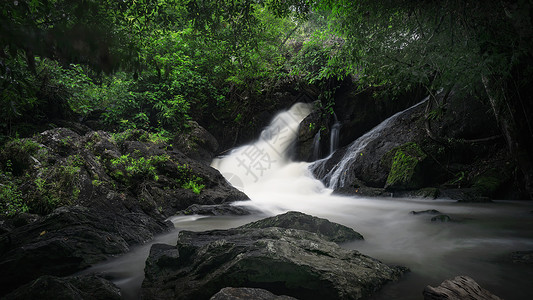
[
  {"x": 334, "y": 137},
  {"x": 250, "y": 164},
  {"x": 338, "y": 175},
  {"x": 316, "y": 146}
]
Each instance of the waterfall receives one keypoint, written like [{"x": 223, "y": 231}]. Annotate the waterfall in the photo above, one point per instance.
[
  {"x": 316, "y": 146},
  {"x": 261, "y": 160},
  {"x": 337, "y": 176},
  {"x": 334, "y": 138}
]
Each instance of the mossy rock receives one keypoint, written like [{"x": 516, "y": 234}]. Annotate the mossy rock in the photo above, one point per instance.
[
  {"x": 404, "y": 162},
  {"x": 488, "y": 183}
]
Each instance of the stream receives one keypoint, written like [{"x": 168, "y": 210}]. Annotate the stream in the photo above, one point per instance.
[{"x": 477, "y": 242}]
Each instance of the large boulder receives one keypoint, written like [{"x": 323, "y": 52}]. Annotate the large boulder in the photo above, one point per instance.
[
  {"x": 329, "y": 231},
  {"x": 284, "y": 261},
  {"x": 69, "y": 240},
  {"x": 197, "y": 143}
]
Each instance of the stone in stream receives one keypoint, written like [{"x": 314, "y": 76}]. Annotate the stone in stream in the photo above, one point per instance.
[
  {"x": 284, "y": 261},
  {"x": 329, "y": 231},
  {"x": 429, "y": 211},
  {"x": 223, "y": 209},
  {"x": 230, "y": 293},
  {"x": 459, "y": 288}
]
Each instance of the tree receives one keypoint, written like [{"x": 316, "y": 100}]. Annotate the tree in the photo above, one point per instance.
[{"x": 451, "y": 44}]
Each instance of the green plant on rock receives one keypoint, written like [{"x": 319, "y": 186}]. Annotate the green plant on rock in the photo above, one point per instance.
[
  {"x": 56, "y": 186},
  {"x": 188, "y": 180},
  {"x": 137, "y": 167},
  {"x": 11, "y": 200},
  {"x": 404, "y": 161}
]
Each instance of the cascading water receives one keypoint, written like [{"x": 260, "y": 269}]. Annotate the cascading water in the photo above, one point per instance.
[
  {"x": 316, "y": 146},
  {"x": 473, "y": 245},
  {"x": 338, "y": 175},
  {"x": 334, "y": 138}
]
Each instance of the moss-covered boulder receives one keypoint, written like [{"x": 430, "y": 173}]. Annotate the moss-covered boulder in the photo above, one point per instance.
[{"x": 405, "y": 167}]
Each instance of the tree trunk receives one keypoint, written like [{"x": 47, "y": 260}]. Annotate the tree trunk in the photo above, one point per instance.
[{"x": 517, "y": 142}]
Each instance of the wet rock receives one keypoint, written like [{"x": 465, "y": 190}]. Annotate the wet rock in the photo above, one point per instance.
[
  {"x": 231, "y": 293},
  {"x": 429, "y": 211},
  {"x": 362, "y": 160},
  {"x": 459, "y": 288},
  {"x": 329, "y": 231},
  {"x": 314, "y": 124},
  {"x": 197, "y": 143},
  {"x": 522, "y": 257},
  {"x": 69, "y": 240},
  {"x": 81, "y": 287},
  {"x": 441, "y": 218},
  {"x": 214, "y": 210},
  {"x": 283, "y": 261}
]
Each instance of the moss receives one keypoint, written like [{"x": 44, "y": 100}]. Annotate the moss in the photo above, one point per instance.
[
  {"x": 405, "y": 159},
  {"x": 488, "y": 183},
  {"x": 19, "y": 152}
]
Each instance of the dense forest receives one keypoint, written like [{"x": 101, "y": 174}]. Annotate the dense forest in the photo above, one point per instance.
[{"x": 119, "y": 106}]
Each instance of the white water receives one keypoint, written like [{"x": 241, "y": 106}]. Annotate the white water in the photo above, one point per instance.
[
  {"x": 474, "y": 244},
  {"x": 336, "y": 177},
  {"x": 334, "y": 138}
]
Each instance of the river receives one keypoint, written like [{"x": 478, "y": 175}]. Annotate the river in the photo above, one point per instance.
[{"x": 476, "y": 242}]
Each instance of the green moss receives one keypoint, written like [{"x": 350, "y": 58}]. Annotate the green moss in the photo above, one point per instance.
[
  {"x": 489, "y": 182},
  {"x": 405, "y": 159}
]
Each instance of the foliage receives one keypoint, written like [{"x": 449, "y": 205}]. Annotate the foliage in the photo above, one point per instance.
[
  {"x": 140, "y": 167},
  {"x": 188, "y": 180},
  {"x": 11, "y": 200},
  {"x": 56, "y": 186}
]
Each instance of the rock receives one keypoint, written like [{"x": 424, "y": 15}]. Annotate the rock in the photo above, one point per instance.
[
  {"x": 406, "y": 167},
  {"x": 362, "y": 159},
  {"x": 429, "y": 211},
  {"x": 311, "y": 126},
  {"x": 459, "y": 288},
  {"x": 95, "y": 196},
  {"x": 329, "y": 231},
  {"x": 87, "y": 287},
  {"x": 214, "y": 210},
  {"x": 522, "y": 257},
  {"x": 197, "y": 143},
  {"x": 284, "y": 261},
  {"x": 69, "y": 240},
  {"x": 230, "y": 293},
  {"x": 441, "y": 218}
]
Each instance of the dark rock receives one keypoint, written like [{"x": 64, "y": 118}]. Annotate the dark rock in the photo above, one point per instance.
[
  {"x": 87, "y": 287},
  {"x": 459, "y": 288},
  {"x": 429, "y": 211},
  {"x": 522, "y": 257},
  {"x": 197, "y": 143},
  {"x": 105, "y": 207},
  {"x": 230, "y": 293},
  {"x": 214, "y": 210},
  {"x": 329, "y": 231},
  {"x": 284, "y": 261},
  {"x": 406, "y": 164},
  {"x": 358, "y": 188},
  {"x": 311, "y": 126},
  {"x": 363, "y": 157},
  {"x": 471, "y": 195},
  {"x": 69, "y": 240},
  {"x": 441, "y": 218}
]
